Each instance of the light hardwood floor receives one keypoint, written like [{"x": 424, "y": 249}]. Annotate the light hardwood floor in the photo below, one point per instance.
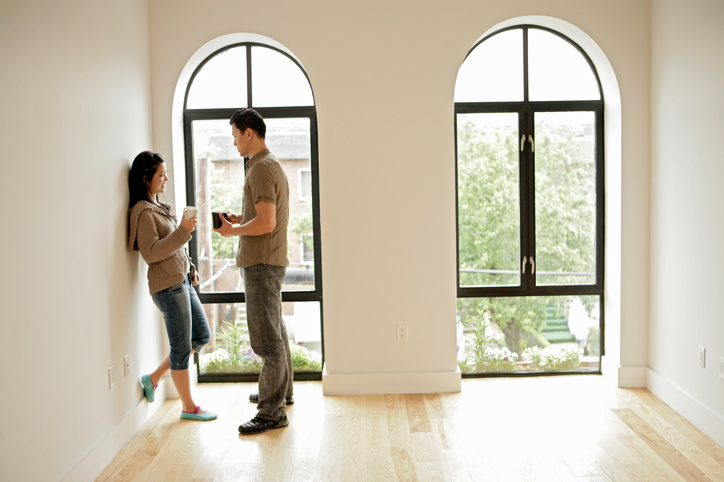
[{"x": 506, "y": 429}]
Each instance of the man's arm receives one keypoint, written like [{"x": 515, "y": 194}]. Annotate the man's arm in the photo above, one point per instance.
[{"x": 264, "y": 222}]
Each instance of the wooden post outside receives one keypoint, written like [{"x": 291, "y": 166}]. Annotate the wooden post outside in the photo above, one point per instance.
[{"x": 206, "y": 268}]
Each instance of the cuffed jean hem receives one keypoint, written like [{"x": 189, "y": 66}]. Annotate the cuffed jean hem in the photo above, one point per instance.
[
  {"x": 279, "y": 414},
  {"x": 185, "y": 320}
]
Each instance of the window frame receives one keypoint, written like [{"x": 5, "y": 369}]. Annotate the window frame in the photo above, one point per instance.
[
  {"x": 308, "y": 112},
  {"x": 526, "y": 110}
]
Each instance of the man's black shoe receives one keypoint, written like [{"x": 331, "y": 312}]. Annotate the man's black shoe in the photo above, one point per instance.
[
  {"x": 259, "y": 425},
  {"x": 254, "y": 398}
]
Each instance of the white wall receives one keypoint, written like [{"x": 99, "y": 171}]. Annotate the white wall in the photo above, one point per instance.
[
  {"x": 75, "y": 111},
  {"x": 687, "y": 307},
  {"x": 383, "y": 75}
]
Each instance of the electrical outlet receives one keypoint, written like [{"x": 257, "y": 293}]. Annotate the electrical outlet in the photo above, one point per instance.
[
  {"x": 111, "y": 378},
  {"x": 126, "y": 366},
  {"x": 702, "y": 356},
  {"x": 721, "y": 368},
  {"x": 402, "y": 333}
]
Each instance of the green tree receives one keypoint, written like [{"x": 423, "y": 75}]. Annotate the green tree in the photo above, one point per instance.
[
  {"x": 565, "y": 205},
  {"x": 302, "y": 226},
  {"x": 488, "y": 203}
]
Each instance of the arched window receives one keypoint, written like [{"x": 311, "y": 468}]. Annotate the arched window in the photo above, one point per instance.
[
  {"x": 530, "y": 184},
  {"x": 273, "y": 82}
]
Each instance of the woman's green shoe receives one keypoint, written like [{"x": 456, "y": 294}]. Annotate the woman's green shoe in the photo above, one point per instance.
[
  {"x": 149, "y": 389},
  {"x": 201, "y": 417}
]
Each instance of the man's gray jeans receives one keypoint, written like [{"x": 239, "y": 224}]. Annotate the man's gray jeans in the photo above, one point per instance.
[{"x": 268, "y": 336}]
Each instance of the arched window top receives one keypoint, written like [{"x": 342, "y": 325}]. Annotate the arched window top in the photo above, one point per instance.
[
  {"x": 249, "y": 75},
  {"x": 526, "y": 63},
  {"x": 220, "y": 82},
  {"x": 493, "y": 70}
]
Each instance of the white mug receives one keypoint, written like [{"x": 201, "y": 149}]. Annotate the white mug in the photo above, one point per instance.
[{"x": 190, "y": 212}]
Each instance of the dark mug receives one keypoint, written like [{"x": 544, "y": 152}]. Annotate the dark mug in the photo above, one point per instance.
[{"x": 215, "y": 218}]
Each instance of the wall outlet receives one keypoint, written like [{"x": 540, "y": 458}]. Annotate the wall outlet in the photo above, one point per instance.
[
  {"x": 721, "y": 367},
  {"x": 702, "y": 356},
  {"x": 111, "y": 378},
  {"x": 402, "y": 333},
  {"x": 126, "y": 366}
]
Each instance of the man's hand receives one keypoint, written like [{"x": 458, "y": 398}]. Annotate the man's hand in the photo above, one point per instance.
[
  {"x": 264, "y": 222},
  {"x": 226, "y": 230},
  {"x": 233, "y": 218}
]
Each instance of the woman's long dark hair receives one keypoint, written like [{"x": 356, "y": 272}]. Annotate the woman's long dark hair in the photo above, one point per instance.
[{"x": 139, "y": 179}]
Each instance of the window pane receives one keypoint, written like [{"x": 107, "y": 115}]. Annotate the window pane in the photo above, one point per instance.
[
  {"x": 493, "y": 71},
  {"x": 221, "y": 82},
  {"x": 290, "y": 141},
  {"x": 565, "y": 198},
  {"x": 277, "y": 81},
  {"x": 219, "y": 173},
  {"x": 488, "y": 199},
  {"x": 524, "y": 334},
  {"x": 305, "y": 183},
  {"x": 557, "y": 70},
  {"x": 229, "y": 351},
  {"x": 307, "y": 248}
]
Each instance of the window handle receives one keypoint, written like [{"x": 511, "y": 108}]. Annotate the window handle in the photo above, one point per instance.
[
  {"x": 522, "y": 142},
  {"x": 532, "y": 265},
  {"x": 522, "y": 266},
  {"x": 532, "y": 147}
]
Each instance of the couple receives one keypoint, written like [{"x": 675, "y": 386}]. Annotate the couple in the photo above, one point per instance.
[{"x": 262, "y": 258}]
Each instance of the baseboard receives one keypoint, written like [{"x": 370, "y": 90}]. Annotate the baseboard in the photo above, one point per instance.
[
  {"x": 702, "y": 417},
  {"x": 382, "y": 383},
  {"x": 632, "y": 377},
  {"x": 113, "y": 441}
]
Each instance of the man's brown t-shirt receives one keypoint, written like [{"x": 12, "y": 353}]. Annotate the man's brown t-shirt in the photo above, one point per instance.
[{"x": 266, "y": 181}]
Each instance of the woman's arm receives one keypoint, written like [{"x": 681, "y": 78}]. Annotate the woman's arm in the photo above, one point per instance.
[{"x": 152, "y": 247}]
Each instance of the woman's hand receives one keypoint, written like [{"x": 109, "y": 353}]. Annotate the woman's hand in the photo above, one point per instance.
[
  {"x": 195, "y": 279},
  {"x": 190, "y": 223}
]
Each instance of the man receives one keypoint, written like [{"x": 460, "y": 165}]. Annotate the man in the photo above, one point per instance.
[{"x": 262, "y": 258}]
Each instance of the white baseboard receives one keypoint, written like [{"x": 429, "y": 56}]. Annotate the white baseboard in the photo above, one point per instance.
[
  {"x": 113, "y": 441},
  {"x": 632, "y": 377},
  {"x": 382, "y": 383},
  {"x": 702, "y": 417}
]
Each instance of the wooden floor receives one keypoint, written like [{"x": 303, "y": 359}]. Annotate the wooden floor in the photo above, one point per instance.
[{"x": 539, "y": 429}]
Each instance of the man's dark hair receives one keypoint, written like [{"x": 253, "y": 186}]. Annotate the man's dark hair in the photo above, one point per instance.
[{"x": 245, "y": 119}]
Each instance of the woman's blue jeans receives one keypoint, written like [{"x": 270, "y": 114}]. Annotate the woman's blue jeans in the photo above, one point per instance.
[
  {"x": 268, "y": 337},
  {"x": 185, "y": 320}
]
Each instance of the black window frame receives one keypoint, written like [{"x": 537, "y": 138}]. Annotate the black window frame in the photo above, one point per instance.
[
  {"x": 308, "y": 112},
  {"x": 526, "y": 110}
]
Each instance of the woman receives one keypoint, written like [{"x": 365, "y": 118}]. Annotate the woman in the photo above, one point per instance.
[{"x": 161, "y": 240}]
